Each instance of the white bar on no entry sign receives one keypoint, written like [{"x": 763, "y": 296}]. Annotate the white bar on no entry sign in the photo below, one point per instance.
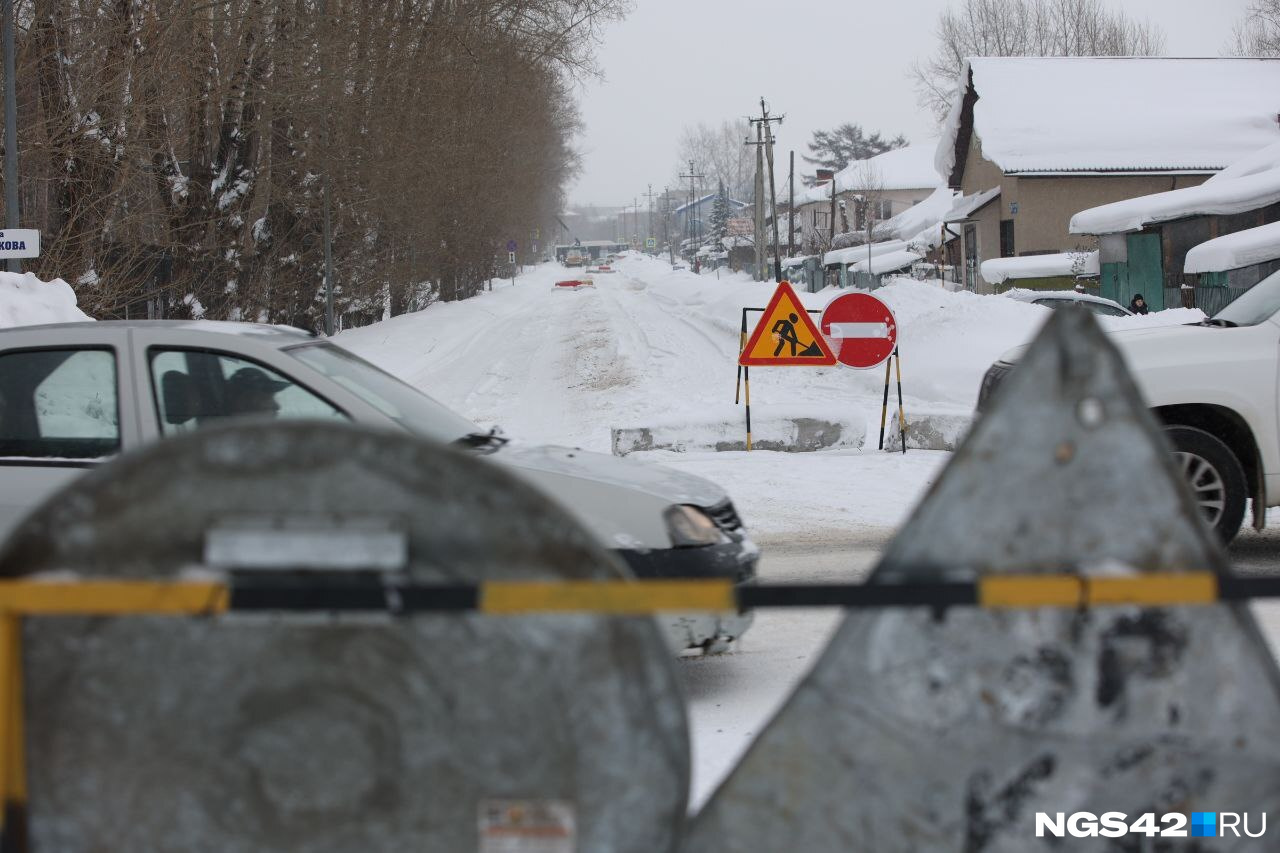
[{"x": 859, "y": 330}]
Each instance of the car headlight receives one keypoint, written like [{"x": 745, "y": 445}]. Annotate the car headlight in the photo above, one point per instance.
[{"x": 690, "y": 527}]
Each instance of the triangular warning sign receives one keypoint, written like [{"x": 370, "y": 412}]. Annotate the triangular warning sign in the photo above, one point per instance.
[{"x": 785, "y": 336}]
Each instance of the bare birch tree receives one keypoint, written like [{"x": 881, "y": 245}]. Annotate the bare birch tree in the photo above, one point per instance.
[
  {"x": 1025, "y": 28},
  {"x": 1258, "y": 32}
]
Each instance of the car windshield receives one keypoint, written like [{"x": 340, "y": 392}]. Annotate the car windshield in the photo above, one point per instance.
[
  {"x": 1256, "y": 304},
  {"x": 397, "y": 400}
]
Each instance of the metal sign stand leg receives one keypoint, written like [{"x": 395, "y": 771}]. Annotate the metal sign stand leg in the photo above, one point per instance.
[
  {"x": 902, "y": 417},
  {"x": 742, "y": 344},
  {"x": 884, "y": 407}
]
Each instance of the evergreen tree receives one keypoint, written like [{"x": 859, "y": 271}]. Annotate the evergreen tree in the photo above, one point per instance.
[
  {"x": 720, "y": 216},
  {"x": 835, "y": 149}
]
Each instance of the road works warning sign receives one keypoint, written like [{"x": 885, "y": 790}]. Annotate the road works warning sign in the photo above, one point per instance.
[{"x": 785, "y": 336}]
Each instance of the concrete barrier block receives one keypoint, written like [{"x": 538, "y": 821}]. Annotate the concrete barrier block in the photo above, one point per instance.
[
  {"x": 789, "y": 434},
  {"x": 927, "y": 431}
]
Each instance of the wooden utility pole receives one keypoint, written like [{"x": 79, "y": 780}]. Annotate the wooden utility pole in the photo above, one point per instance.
[
  {"x": 764, "y": 139},
  {"x": 791, "y": 209},
  {"x": 666, "y": 225},
  {"x": 693, "y": 243},
  {"x": 650, "y": 195},
  {"x": 758, "y": 226}
]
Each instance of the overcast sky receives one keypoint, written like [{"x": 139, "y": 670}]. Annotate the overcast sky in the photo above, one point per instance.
[{"x": 819, "y": 62}]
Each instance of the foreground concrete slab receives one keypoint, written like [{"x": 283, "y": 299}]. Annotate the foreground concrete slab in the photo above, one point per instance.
[
  {"x": 928, "y": 431},
  {"x": 279, "y": 732}
]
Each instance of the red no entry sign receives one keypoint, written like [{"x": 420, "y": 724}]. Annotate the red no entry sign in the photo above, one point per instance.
[{"x": 861, "y": 329}]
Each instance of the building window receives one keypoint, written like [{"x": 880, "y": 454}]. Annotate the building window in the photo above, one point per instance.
[{"x": 1006, "y": 238}]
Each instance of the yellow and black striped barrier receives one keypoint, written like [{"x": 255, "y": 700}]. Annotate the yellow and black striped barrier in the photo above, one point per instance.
[
  {"x": 41, "y": 598},
  {"x": 630, "y": 597}
]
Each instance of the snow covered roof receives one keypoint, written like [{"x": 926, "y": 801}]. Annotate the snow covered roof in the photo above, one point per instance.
[
  {"x": 790, "y": 263},
  {"x": 887, "y": 262},
  {"x": 923, "y": 215},
  {"x": 707, "y": 197},
  {"x": 737, "y": 241},
  {"x": 853, "y": 254},
  {"x": 907, "y": 168},
  {"x": 997, "y": 270},
  {"x": 1213, "y": 197},
  {"x": 1233, "y": 251},
  {"x": 1107, "y": 114},
  {"x": 971, "y": 204}
]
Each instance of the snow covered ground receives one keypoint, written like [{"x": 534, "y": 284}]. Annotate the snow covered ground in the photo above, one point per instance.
[{"x": 649, "y": 346}]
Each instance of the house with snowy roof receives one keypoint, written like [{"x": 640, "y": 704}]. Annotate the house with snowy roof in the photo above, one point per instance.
[
  {"x": 692, "y": 220},
  {"x": 1197, "y": 246},
  {"x": 1040, "y": 138},
  {"x": 892, "y": 182}
]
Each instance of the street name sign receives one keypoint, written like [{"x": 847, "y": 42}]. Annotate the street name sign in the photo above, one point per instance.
[{"x": 19, "y": 243}]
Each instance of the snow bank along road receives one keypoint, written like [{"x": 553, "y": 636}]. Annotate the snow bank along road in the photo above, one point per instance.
[{"x": 648, "y": 345}]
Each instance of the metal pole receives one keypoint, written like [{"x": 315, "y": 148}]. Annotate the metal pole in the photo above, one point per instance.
[
  {"x": 650, "y": 226},
  {"x": 11, "y": 218},
  {"x": 902, "y": 416},
  {"x": 773, "y": 195},
  {"x": 884, "y": 407},
  {"x": 758, "y": 224},
  {"x": 328, "y": 264},
  {"x": 791, "y": 210}
]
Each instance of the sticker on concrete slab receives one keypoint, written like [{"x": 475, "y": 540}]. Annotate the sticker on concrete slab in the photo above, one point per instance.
[{"x": 527, "y": 826}]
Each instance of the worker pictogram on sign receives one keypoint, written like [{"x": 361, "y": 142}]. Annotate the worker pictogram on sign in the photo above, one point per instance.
[{"x": 786, "y": 336}]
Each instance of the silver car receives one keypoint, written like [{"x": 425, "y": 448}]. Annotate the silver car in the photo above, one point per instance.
[{"x": 76, "y": 394}]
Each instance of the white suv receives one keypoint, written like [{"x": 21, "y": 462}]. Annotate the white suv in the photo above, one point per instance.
[
  {"x": 1214, "y": 386},
  {"x": 74, "y": 395}
]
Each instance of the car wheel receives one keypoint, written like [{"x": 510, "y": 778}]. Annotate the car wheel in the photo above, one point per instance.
[{"x": 1215, "y": 475}]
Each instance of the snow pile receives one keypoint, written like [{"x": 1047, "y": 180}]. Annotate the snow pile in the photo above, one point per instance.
[
  {"x": 1233, "y": 251},
  {"x": 1073, "y": 114},
  {"x": 27, "y": 301},
  {"x": 998, "y": 270}
]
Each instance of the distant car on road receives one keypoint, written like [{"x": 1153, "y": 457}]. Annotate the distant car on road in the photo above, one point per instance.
[
  {"x": 1060, "y": 298},
  {"x": 575, "y": 258},
  {"x": 1214, "y": 385},
  {"x": 74, "y": 395}
]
